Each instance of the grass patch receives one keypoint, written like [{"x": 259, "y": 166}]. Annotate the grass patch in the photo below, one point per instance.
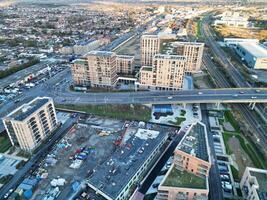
[
  {"x": 198, "y": 32},
  {"x": 5, "y": 143},
  {"x": 178, "y": 121},
  {"x": 185, "y": 179},
  {"x": 247, "y": 147},
  {"x": 183, "y": 112},
  {"x": 235, "y": 173},
  {"x": 230, "y": 118},
  {"x": 125, "y": 112},
  {"x": 226, "y": 138}
]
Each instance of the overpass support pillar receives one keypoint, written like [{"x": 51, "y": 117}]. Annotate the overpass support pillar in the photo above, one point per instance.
[
  {"x": 218, "y": 105},
  {"x": 252, "y": 105},
  {"x": 184, "y": 106}
]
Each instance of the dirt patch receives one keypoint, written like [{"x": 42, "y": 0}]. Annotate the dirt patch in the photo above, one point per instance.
[{"x": 241, "y": 158}]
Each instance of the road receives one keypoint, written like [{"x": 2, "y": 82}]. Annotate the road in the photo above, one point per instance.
[
  {"x": 35, "y": 159},
  {"x": 215, "y": 186},
  {"x": 222, "y": 81}
]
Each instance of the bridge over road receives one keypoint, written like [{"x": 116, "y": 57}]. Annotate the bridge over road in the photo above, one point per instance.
[{"x": 223, "y": 95}]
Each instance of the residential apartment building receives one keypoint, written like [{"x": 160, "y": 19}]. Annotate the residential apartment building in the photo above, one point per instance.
[
  {"x": 80, "y": 72},
  {"x": 100, "y": 68},
  {"x": 254, "y": 184},
  {"x": 150, "y": 45},
  {"x": 125, "y": 64},
  {"x": 193, "y": 52},
  {"x": 166, "y": 73},
  {"x": 31, "y": 123},
  {"x": 187, "y": 178}
]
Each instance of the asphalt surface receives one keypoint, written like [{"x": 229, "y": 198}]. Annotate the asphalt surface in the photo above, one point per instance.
[
  {"x": 36, "y": 158},
  {"x": 215, "y": 186}
]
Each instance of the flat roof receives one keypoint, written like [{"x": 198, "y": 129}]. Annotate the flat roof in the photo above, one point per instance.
[
  {"x": 172, "y": 57},
  {"x": 194, "y": 142},
  {"x": 262, "y": 181},
  {"x": 125, "y": 57},
  {"x": 111, "y": 177},
  {"x": 27, "y": 109},
  {"x": 80, "y": 61},
  {"x": 255, "y": 49},
  {"x": 146, "y": 68},
  {"x": 101, "y": 53},
  {"x": 184, "y": 179}
]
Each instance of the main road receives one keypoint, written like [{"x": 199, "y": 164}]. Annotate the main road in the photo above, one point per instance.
[{"x": 226, "y": 95}]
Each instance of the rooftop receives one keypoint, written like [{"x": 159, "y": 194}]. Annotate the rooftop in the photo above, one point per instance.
[
  {"x": 80, "y": 61},
  {"x": 125, "y": 57},
  {"x": 100, "y": 53},
  {"x": 27, "y": 109},
  {"x": 112, "y": 176},
  {"x": 195, "y": 142},
  {"x": 261, "y": 177},
  {"x": 184, "y": 179},
  {"x": 172, "y": 57},
  {"x": 255, "y": 49},
  {"x": 147, "y": 68}
]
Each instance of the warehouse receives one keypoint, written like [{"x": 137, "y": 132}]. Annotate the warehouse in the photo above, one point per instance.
[{"x": 254, "y": 55}]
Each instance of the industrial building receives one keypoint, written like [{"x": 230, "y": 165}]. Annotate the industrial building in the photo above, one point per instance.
[
  {"x": 254, "y": 184},
  {"x": 253, "y": 54},
  {"x": 115, "y": 178},
  {"x": 166, "y": 73},
  {"x": 28, "y": 125},
  {"x": 233, "y": 42},
  {"x": 232, "y": 19},
  {"x": 187, "y": 178}
]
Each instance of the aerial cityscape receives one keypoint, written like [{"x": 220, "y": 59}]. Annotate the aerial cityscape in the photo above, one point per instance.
[{"x": 133, "y": 100}]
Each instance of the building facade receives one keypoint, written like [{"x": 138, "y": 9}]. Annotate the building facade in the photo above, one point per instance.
[
  {"x": 150, "y": 45},
  {"x": 254, "y": 184},
  {"x": 254, "y": 55},
  {"x": 187, "y": 178},
  {"x": 31, "y": 123},
  {"x": 80, "y": 72},
  {"x": 166, "y": 73},
  {"x": 125, "y": 64},
  {"x": 232, "y": 19},
  {"x": 193, "y": 52}
]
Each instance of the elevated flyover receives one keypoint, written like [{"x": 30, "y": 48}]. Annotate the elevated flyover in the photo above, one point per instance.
[{"x": 224, "y": 95}]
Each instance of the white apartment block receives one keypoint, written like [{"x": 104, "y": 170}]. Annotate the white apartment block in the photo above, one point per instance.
[
  {"x": 150, "y": 45},
  {"x": 28, "y": 125},
  {"x": 193, "y": 52},
  {"x": 125, "y": 64},
  {"x": 166, "y": 73},
  {"x": 254, "y": 184}
]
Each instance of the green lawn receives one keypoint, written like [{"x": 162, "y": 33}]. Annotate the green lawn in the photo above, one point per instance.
[
  {"x": 5, "y": 144},
  {"x": 230, "y": 118},
  {"x": 126, "y": 112},
  {"x": 198, "y": 33},
  {"x": 247, "y": 147},
  {"x": 178, "y": 121},
  {"x": 235, "y": 173},
  {"x": 177, "y": 178}
]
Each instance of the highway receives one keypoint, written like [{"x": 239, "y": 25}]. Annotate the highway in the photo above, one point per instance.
[
  {"x": 35, "y": 159},
  {"x": 226, "y": 95},
  {"x": 221, "y": 80}
]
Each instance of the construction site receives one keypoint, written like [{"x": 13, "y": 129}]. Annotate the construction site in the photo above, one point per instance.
[{"x": 81, "y": 157}]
